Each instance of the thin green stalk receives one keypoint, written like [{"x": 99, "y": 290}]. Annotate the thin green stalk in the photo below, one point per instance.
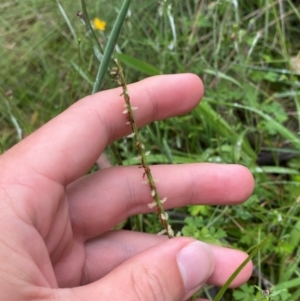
[
  {"x": 158, "y": 202},
  {"x": 239, "y": 269},
  {"x": 116, "y": 154},
  {"x": 62, "y": 11},
  {"x": 15, "y": 115},
  {"x": 89, "y": 28},
  {"x": 109, "y": 49}
]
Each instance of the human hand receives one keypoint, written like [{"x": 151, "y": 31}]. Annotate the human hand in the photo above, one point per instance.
[{"x": 55, "y": 239}]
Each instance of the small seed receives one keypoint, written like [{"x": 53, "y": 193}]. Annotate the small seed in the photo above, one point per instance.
[{"x": 152, "y": 205}]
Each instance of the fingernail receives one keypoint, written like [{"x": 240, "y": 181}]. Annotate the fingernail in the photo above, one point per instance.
[{"x": 196, "y": 264}]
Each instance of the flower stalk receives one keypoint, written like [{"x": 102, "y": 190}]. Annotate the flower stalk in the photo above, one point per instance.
[{"x": 142, "y": 154}]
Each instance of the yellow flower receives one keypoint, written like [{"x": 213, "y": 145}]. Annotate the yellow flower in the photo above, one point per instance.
[{"x": 99, "y": 24}]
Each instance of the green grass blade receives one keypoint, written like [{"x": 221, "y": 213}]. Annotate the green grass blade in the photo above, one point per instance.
[
  {"x": 224, "y": 128},
  {"x": 138, "y": 64},
  {"x": 295, "y": 9},
  {"x": 15, "y": 116},
  {"x": 288, "y": 284},
  {"x": 221, "y": 75},
  {"x": 61, "y": 9},
  {"x": 82, "y": 73},
  {"x": 109, "y": 49},
  {"x": 274, "y": 169},
  {"x": 269, "y": 69},
  {"x": 238, "y": 270},
  {"x": 290, "y": 136},
  {"x": 294, "y": 239},
  {"x": 88, "y": 26}
]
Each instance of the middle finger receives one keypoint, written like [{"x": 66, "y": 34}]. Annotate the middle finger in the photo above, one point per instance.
[{"x": 101, "y": 200}]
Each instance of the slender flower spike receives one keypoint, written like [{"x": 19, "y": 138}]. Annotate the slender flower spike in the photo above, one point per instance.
[
  {"x": 163, "y": 216},
  {"x": 99, "y": 24}
]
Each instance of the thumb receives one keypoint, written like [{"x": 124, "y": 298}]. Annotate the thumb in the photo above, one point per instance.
[{"x": 171, "y": 270}]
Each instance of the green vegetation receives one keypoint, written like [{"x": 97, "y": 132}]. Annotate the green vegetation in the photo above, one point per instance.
[{"x": 246, "y": 52}]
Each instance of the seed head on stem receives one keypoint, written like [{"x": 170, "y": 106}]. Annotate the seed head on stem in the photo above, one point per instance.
[{"x": 157, "y": 201}]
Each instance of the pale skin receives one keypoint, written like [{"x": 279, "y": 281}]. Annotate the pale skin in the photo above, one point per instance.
[{"x": 55, "y": 238}]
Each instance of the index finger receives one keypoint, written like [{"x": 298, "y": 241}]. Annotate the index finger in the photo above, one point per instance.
[{"x": 67, "y": 146}]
